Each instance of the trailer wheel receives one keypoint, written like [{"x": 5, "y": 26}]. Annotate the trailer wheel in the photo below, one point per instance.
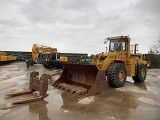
[
  {"x": 117, "y": 75},
  {"x": 141, "y": 73}
]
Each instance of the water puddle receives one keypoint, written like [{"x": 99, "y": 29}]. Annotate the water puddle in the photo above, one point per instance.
[
  {"x": 133, "y": 89},
  {"x": 4, "y": 85},
  {"x": 149, "y": 101}
]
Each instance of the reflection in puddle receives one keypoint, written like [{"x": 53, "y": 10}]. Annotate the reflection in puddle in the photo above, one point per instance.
[
  {"x": 40, "y": 108},
  {"x": 112, "y": 102}
]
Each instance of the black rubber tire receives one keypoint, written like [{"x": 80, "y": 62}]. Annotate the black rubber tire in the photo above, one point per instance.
[
  {"x": 48, "y": 65},
  {"x": 139, "y": 77},
  {"x": 44, "y": 65},
  {"x": 113, "y": 75}
]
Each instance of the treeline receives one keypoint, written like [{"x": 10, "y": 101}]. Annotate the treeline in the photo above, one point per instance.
[{"x": 154, "y": 59}]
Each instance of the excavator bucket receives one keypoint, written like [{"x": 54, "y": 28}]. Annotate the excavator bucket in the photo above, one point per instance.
[{"x": 81, "y": 79}]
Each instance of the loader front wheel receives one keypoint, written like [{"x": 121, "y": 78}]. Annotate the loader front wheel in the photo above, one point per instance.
[
  {"x": 117, "y": 75},
  {"x": 141, "y": 73}
]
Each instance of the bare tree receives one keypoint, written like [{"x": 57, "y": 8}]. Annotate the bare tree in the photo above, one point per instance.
[{"x": 155, "y": 48}]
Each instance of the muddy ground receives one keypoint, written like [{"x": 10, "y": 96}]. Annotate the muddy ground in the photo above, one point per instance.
[{"x": 134, "y": 101}]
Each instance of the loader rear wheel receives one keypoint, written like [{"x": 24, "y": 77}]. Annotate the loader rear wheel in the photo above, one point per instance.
[
  {"x": 117, "y": 75},
  {"x": 141, "y": 73}
]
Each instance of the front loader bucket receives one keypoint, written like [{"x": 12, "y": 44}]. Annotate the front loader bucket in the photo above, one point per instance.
[{"x": 81, "y": 79}]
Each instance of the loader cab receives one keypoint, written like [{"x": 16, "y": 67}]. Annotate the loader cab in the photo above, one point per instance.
[
  {"x": 120, "y": 44},
  {"x": 117, "y": 45}
]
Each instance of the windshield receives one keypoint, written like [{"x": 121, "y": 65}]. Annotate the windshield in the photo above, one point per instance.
[{"x": 117, "y": 45}]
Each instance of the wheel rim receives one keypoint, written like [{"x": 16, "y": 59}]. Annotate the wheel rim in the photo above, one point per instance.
[
  {"x": 121, "y": 75},
  {"x": 143, "y": 73}
]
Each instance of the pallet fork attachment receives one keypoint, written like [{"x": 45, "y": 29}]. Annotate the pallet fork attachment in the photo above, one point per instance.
[{"x": 36, "y": 84}]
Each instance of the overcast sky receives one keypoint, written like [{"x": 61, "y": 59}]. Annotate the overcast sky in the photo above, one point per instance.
[{"x": 77, "y": 26}]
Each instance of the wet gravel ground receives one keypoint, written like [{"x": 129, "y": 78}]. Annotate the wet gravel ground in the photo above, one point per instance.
[{"x": 134, "y": 101}]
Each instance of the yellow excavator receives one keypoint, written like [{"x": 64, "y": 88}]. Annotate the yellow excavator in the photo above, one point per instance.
[
  {"x": 39, "y": 54},
  {"x": 115, "y": 64},
  {"x": 41, "y": 49},
  {"x": 47, "y": 56}
]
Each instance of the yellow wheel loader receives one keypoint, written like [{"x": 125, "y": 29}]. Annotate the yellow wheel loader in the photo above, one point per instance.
[{"x": 115, "y": 64}]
